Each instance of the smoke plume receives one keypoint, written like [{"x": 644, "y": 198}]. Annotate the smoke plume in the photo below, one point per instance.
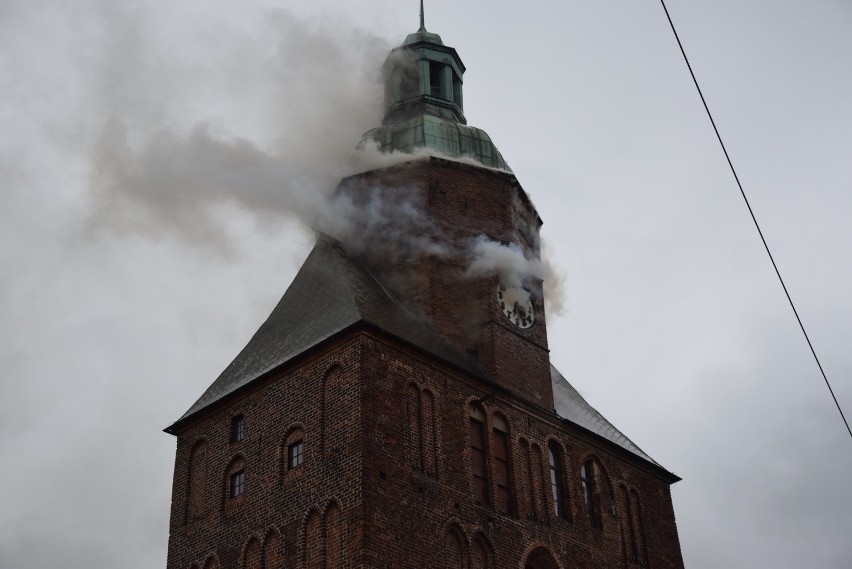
[{"x": 159, "y": 173}]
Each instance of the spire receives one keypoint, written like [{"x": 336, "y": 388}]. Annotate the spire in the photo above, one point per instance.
[{"x": 424, "y": 105}]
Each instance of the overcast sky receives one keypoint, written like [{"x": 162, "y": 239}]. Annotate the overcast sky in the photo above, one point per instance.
[{"x": 159, "y": 160}]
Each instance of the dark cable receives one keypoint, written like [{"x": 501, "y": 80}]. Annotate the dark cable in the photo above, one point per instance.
[{"x": 754, "y": 219}]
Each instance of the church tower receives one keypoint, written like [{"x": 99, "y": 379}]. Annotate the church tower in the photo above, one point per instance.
[{"x": 398, "y": 408}]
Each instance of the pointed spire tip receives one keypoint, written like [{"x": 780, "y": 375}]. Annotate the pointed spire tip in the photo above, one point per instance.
[{"x": 422, "y": 18}]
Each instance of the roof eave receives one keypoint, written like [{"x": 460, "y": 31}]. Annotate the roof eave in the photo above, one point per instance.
[{"x": 364, "y": 324}]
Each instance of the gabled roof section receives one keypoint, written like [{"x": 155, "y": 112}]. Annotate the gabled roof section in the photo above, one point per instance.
[
  {"x": 572, "y": 406},
  {"x": 332, "y": 291}
]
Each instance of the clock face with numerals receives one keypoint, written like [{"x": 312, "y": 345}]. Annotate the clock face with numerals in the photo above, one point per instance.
[{"x": 516, "y": 304}]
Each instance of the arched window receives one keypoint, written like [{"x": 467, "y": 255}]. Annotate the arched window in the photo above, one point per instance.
[
  {"x": 293, "y": 451},
  {"x": 557, "y": 495},
  {"x": 235, "y": 480},
  {"x": 478, "y": 455},
  {"x": 590, "y": 475},
  {"x": 500, "y": 464}
]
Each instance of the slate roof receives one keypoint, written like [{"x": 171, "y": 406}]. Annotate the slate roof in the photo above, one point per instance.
[
  {"x": 333, "y": 291},
  {"x": 572, "y": 406}
]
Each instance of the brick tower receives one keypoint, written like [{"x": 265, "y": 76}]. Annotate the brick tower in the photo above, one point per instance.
[{"x": 398, "y": 408}]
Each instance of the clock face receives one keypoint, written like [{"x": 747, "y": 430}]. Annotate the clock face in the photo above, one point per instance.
[{"x": 516, "y": 304}]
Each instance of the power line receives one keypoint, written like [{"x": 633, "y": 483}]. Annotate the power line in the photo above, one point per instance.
[{"x": 754, "y": 219}]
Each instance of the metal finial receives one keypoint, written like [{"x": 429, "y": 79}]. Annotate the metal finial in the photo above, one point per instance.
[{"x": 422, "y": 19}]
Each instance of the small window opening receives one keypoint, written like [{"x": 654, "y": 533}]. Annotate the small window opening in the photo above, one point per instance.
[
  {"x": 556, "y": 480},
  {"x": 457, "y": 91},
  {"x": 436, "y": 78},
  {"x": 238, "y": 483},
  {"x": 237, "y": 428},
  {"x": 295, "y": 454}
]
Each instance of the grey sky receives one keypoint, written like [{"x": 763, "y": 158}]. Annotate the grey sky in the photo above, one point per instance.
[{"x": 131, "y": 275}]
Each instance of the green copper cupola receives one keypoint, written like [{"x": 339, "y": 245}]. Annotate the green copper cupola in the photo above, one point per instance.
[{"x": 424, "y": 104}]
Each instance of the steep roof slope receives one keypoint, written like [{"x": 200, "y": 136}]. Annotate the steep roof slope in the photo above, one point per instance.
[
  {"x": 572, "y": 406},
  {"x": 332, "y": 291}
]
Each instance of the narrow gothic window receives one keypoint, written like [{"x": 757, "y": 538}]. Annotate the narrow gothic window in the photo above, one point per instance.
[
  {"x": 295, "y": 454},
  {"x": 237, "y": 428},
  {"x": 555, "y": 462},
  {"x": 501, "y": 464},
  {"x": 292, "y": 452},
  {"x": 238, "y": 483},
  {"x": 590, "y": 476},
  {"x": 477, "y": 455}
]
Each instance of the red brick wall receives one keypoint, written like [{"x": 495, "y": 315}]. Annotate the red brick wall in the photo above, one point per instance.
[
  {"x": 278, "y": 504},
  {"x": 464, "y": 202},
  {"x": 387, "y": 480},
  {"x": 412, "y": 514},
  {"x": 390, "y": 487}
]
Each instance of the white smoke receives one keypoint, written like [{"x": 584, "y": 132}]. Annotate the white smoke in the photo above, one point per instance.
[
  {"x": 321, "y": 89},
  {"x": 506, "y": 261},
  {"x": 274, "y": 149},
  {"x": 516, "y": 271}
]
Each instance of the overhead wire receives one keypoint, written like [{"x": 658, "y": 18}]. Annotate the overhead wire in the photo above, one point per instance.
[{"x": 754, "y": 218}]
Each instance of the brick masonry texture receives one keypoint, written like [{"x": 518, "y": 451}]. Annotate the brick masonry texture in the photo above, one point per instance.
[{"x": 387, "y": 479}]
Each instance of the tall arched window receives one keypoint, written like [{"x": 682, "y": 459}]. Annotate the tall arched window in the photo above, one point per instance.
[
  {"x": 236, "y": 482},
  {"x": 293, "y": 452},
  {"x": 478, "y": 455},
  {"x": 590, "y": 474},
  {"x": 500, "y": 464},
  {"x": 557, "y": 495}
]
